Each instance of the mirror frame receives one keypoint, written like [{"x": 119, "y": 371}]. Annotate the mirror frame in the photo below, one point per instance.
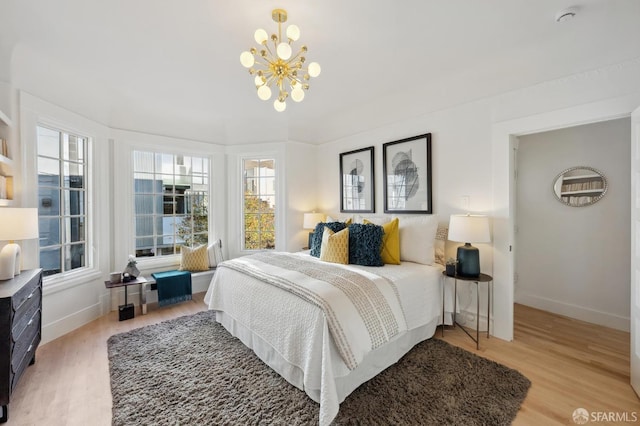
[{"x": 605, "y": 186}]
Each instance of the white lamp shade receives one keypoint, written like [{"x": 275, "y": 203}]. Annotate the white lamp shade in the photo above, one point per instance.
[
  {"x": 312, "y": 219},
  {"x": 297, "y": 94},
  {"x": 314, "y": 69},
  {"x": 18, "y": 224},
  {"x": 260, "y": 36},
  {"x": 246, "y": 59},
  {"x": 279, "y": 106},
  {"x": 284, "y": 51},
  {"x": 293, "y": 32},
  {"x": 469, "y": 229},
  {"x": 264, "y": 92}
]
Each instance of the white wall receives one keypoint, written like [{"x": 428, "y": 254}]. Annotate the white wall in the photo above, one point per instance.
[
  {"x": 471, "y": 156},
  {"x": 575, "y": 261}
]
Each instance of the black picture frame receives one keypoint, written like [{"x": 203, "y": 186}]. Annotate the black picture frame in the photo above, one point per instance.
[
  {"x": 357, "y": 181},
  {"x": 407, "y": 175}
]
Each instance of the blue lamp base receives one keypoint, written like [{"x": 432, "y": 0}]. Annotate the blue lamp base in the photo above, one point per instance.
[{"x": 468, "y": 261}]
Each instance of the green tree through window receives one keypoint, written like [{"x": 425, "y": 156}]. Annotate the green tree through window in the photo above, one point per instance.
[{"x": 259, "y": 204}]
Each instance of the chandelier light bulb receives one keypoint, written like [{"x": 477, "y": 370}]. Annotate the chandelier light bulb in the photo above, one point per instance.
[
  {"x": 314, "y": 69},
  {"x": 260, "y": 36},
  {"x": 297, "y": 94},
  {"x": 258, "y": 80},
  {"x": 284, "y": 51},
  {"x": 279, "y": 106},
  {"x": 264, "y": 93},
  {"x": 293, "y": 32},
  {"x": 246, "y": 59}
]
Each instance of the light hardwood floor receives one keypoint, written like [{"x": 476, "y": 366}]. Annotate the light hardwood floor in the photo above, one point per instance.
[{"x": 570, "y": 363}]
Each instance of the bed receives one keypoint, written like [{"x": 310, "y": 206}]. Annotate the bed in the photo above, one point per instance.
[{"x": 295, "y": 337}]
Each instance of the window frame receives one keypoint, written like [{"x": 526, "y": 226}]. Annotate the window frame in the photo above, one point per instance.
[
  {"x": 61, "y": 216},
  {"x": 36, "y": 112},
  {"x": 237, "y": 155},
  {"x": 155, "y": 215},
  {"x": 243, "y": 159},
  {"x": 124, "y": 144}
]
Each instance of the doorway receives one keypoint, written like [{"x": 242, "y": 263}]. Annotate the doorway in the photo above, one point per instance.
[
  {"x": 504, "y": 139},
  {"x": 574, "y": 261}
]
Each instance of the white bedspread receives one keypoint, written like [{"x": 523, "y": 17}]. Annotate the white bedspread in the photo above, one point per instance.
[{"x": 292, "y": 336}]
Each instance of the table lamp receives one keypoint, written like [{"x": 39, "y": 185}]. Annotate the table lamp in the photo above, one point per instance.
[
  {"x": 310, "y": 222},
  {"x": 469, "y": 229},
  {"x": 15, "y": 224}
]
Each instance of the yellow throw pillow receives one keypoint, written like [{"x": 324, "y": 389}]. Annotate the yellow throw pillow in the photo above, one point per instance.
[
  {"x": 194, "y": 258},
  {"x": 335, "y": 246},
  {"x": 390, "y": 251}
]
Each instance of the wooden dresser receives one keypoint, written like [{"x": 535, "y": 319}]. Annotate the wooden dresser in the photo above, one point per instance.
[{"x": 20, "y": 329}]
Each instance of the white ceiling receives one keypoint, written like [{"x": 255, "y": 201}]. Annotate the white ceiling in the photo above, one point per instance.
[{"x": 172, "y": 67}]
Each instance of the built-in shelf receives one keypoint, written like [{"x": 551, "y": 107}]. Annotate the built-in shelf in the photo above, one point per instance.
[{"x": 6, "y": 164}]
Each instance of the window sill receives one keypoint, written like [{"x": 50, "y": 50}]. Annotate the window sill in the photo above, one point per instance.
[{"x": 61, "y": 282}]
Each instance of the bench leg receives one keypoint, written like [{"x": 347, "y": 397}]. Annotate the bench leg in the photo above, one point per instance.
[{"x": 143, "y": 297}]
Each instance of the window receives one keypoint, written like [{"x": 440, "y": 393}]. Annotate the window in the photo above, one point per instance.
[
  {"x": 171, "y": 202},
  {"x": 259, "y": 204},
  {"x": 62, "y": 200}
]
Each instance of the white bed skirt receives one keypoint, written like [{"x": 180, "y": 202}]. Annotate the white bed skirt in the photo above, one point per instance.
[{"x": 374, "y": 363}]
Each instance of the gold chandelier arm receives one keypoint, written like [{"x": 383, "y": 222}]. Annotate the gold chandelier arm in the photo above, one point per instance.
[
  {"x": 266, "y": 65},
  {"x": 296, "y": 56}
]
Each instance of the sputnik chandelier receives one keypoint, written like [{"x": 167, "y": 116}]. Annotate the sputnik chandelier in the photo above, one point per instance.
[{"x": 281, "y": 70}]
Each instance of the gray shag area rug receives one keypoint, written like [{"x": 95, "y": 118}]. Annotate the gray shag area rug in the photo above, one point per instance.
[{"x": 191, "y": 371}]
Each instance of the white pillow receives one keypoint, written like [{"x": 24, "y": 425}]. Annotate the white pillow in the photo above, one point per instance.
[
  {"x": 337, "y": 218},
  {"x": 417, "y": 239},
  {"x": 214, "y": 252},
  {"x": 376, "y": 220}
]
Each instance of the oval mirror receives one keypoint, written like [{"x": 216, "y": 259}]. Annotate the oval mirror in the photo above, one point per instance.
[{"x": 580, "y": 186}]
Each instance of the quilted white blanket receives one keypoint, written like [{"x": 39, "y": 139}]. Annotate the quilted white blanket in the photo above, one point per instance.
[{"x": 362, "y": 313}]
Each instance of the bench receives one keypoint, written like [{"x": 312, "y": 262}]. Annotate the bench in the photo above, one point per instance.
[{"x": 150, "y": 285}]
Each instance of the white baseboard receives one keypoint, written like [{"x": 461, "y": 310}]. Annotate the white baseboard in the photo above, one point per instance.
[
  {"x": 69, "y": 323},
  {"x": 574, "y": 311}
]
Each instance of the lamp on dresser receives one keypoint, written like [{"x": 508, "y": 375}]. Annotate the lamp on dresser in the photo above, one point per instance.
[
  {"x": 469, "y": 229},
  {"x": 15, "y": 224},
  {"x": 310, "y": 222}
]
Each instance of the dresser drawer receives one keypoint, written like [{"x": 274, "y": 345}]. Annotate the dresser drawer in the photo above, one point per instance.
[
  {"x": 18, "y": 368},
  {"x": 22, "y": 317},
  {"x": 26, "y": 293},
  {"x": 21, "y": 345}
]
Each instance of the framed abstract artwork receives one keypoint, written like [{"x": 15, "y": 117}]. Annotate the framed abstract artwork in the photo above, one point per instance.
[
  {"x": 357, "y": 189},
  {"x": 407, "y": 175}
]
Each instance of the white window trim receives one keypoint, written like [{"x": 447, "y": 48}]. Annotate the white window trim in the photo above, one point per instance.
[
  {"x": 34, "y": 113},
  {"x": 278, "y": 157},
  {"x": 124, "y": 146}
]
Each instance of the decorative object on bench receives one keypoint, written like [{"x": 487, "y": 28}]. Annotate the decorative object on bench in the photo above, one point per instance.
[
  {"x": 194, "y": 259},
  {"x": 173, "y": 286},
  {"x": 131, "y": 268}
]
